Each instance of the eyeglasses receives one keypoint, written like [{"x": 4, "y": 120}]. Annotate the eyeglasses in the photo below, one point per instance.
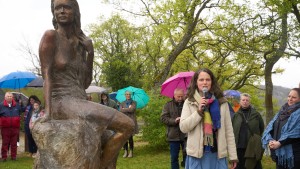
[{"x": 128, "y": 94}]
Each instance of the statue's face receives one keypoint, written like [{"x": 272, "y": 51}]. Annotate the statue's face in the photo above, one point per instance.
[{"x": 63, "y": 11}]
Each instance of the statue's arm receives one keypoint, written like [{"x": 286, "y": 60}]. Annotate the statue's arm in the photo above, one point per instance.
[
  {"x": 47, "y": 55},
  {"x": 88, "y": 45}
]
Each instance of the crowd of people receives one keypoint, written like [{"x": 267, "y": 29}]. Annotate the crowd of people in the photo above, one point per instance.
[
  {"x": 11, "y": 111},
  {"x": 10, "y": 119},
  {"x": 198, "y": 124},
  {"x": 201, "y": 126}
]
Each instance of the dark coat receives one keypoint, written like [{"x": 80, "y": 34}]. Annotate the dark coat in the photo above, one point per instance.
[
  {"x": 254, "y": 150},
  {"x": 170, "y": 112},
  {"x": 255, "y": 123},
  {"x": 111, "y": 103}
]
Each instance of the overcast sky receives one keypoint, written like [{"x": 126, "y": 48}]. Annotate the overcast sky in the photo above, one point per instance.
[{"x": 27, "y": 20}]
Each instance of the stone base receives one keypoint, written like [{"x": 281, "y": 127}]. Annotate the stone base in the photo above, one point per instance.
[{"x": 69, "y": 144}]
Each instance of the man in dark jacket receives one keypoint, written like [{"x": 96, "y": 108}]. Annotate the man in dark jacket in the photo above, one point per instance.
[
  {"x": 10, "y": 125},
  {"x": 171, "y": 117}
]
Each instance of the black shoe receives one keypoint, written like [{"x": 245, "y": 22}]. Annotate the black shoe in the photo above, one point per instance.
[
  {"x": 13, "y": 159},
  {"x": 3, "y": 159}
]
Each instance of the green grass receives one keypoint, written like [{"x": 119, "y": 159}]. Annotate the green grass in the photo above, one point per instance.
[
  {"x": 23, "y": 162},
  {"x": 144, "y": 157}
]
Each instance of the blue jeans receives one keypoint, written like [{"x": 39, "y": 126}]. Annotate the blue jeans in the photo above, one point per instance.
[{"x": 174, "y": 151}]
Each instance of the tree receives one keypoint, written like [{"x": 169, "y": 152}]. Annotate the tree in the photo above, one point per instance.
[
  {"x": 175, "y": 21},
  {"x": 241, "y": 44},
  {"x": 116, "y": 45},
  {"x": 27, "y": 51}
]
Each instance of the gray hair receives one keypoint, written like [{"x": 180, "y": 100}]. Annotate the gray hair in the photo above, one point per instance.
[
  {"x": 245, "y": 95},
  {"x": 178, "y": 90}
]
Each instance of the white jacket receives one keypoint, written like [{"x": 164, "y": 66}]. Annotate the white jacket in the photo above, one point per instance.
[{"x": 192, "y": 123}]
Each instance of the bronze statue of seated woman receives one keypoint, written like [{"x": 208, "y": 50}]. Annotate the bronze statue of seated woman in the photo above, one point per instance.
[{"x": 70, "y": 134}]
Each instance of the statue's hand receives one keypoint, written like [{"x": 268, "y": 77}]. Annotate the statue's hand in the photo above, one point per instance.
[{"x": 87, "y": 44}]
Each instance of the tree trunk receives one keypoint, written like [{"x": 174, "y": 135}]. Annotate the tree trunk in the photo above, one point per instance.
[
  {"x": 269, "y": 94},
  {"x": 270, "y": 62}
]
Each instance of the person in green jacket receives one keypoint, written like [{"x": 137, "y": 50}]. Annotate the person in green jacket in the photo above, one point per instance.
[{"x": 246, "y": 122}]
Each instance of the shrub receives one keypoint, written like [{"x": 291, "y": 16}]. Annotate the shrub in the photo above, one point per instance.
[{"x": 153, "y": 129}]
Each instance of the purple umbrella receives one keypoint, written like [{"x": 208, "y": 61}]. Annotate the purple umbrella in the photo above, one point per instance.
[{"x": 180, "y": 80}]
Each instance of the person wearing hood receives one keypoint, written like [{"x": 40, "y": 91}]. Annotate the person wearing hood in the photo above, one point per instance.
[
  {"x": 105, "y": 100},
  {"x": 171, "y": 117},
  {"x": 10, "y": 126}
]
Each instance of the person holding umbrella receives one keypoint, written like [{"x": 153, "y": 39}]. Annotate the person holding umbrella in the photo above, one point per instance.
[
  {"x": 128, "y": 107},
  {"x": 10, "y": 126},
  {"x": 206, "y": 119},
  {"x": 171, "y": 117}
]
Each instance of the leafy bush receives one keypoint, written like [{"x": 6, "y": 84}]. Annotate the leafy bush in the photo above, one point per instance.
[{"x": 153, "y": 129}]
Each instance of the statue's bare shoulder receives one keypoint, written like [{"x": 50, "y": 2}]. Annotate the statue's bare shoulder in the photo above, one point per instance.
[
  {"x": 48, "y": 39},
  {"x": 48, "y": 42}
]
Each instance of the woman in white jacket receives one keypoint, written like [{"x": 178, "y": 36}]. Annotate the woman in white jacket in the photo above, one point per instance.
[{"x": 206, "y": 119}]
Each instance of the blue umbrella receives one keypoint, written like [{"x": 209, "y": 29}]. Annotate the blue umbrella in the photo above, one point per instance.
[
  {"x": 113, "y": 95},
  {"x": 232, "y": 94},
  {"x": 16, "y": 80},
  {"x": 137, "y": 94}
]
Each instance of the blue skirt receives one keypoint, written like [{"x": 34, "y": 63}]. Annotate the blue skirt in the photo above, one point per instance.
[{"x": 208, "y": 161}]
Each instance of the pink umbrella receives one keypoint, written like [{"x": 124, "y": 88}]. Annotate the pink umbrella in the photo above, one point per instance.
[{"x": 180, "y": 80}]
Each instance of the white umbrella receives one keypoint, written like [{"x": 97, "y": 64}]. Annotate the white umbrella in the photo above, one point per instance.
[{"x": 95, "y": 89}]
